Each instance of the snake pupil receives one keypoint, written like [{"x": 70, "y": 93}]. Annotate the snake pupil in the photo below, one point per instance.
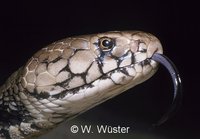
[{"x": 106, "y": 43}]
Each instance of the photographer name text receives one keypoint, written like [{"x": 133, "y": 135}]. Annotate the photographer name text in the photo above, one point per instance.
[{"x": 101, "y": 129}]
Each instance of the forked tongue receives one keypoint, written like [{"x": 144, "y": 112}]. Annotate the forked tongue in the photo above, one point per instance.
[{"x": 167, "y": 63}]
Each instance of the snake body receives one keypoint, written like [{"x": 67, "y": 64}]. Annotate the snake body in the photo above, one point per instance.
[{"x": 72, "y": 75}]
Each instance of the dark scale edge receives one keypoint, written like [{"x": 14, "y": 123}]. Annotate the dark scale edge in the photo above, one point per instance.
[
  {"x": 121, "y": 58},
  {"x": 100, "y": 65},
  {"x": 66, "y": 68},
  {"x": 60, "y": 95},
  {"x": 72, "y": 75},
  {"x": 124, "y": 71},
  {"x": 133, "y": 59},
  {"x": 56, "y": 60},
  {"x": 63, "y": 93},
  {"x": 84, "y": 74},
  {"x": 144, "y": 62},
  {"x": 143, "y": 50},
  {"x": 39, "y": 96},
  {"x": 103, "y": 77}
]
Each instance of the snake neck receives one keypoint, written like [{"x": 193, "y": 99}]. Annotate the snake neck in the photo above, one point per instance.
[{"x": 15, "y": 120}]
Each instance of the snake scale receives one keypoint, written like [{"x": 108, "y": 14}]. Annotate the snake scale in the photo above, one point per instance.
[{"x": 72, "y": 75}]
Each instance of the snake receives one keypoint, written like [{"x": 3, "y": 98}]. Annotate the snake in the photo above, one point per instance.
[{"x": 75, "y": 74}]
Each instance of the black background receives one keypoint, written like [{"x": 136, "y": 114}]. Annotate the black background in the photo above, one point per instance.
[{"x": 28, "y": 26}]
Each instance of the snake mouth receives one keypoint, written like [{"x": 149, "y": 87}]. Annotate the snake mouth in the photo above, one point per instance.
[{"x": 177, "y": 94}]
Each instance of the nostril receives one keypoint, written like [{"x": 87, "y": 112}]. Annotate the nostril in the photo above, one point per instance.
[{"x": 142, "y": 47}]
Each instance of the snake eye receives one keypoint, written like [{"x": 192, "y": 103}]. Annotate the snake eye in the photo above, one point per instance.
[{"x": 106, "y": 43}]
